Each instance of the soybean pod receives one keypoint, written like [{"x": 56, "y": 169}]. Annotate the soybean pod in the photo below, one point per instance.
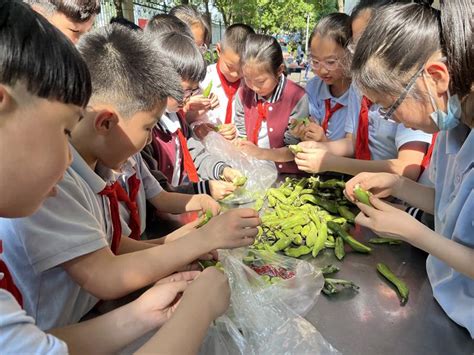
[
  {"x": 353, "y": 243},
  {"x": 399, "y": 284}
]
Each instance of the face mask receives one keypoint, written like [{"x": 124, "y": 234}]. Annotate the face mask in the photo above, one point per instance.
[{"x": 446, "y": 121}]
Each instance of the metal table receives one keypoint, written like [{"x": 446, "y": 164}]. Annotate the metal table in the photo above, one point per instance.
[{"x": 372, "y": 320}]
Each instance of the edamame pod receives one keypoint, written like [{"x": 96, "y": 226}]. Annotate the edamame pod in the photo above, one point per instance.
[
  {"x": 339, "y": 248},
  {"x": 207, "y": 91},
  {"x": 353, "y": 243},
  {"x": 399, "y": 284},
  {"x": 362, "y": 195}
]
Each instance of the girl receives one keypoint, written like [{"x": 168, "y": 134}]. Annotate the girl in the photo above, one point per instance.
[
  {"x": 430, "y": 88},
  {"x": 265, "y": 106},
  {"x": 328, "y": 92},
  {"x": 376, "y": 142}
]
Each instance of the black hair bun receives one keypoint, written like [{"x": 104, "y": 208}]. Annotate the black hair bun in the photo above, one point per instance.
[{"x": 427, "y": 3}]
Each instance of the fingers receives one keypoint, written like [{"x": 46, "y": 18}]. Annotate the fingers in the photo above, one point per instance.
[
  {"x": 367, "y": 210},
  {"x": 362, "y": 220},
  {"x": 246, "y": 212},
  {"x": 381, "y": 205},
  {"x": 180, "y": 276}
]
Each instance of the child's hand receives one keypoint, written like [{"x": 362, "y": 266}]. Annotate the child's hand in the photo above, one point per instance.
[
  {"x": 312, "y": 161},
  {"x": 203, "y": 203},
  {"x": 199, "y": 104},
  {"x": 228, "y": 131},
  {"x": 314, "y": 132},
  {"x": 220, "y": 189},
  {"x": 210, "y": 290},
  {"x": 232, "y": 229},
  {"x": 202, "y": 130},
  {"x": 380, "y": 184},
  {"x": 214, "y": 101},
  {"x": 231, "y": 174},
  {"x": 299, "y": 130},
  {"x": 158, "y": 303},
  {"x": 249, "y": 148}
]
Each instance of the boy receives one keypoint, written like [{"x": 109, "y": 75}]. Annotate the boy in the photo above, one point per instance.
[
  {"x": 226, "y": 75},
  {"x": 74, "y": 250},
  {"x": 44, "y": 90},
  {"x": 72, "y": 17}
]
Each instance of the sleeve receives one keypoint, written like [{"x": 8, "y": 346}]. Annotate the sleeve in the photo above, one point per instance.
[
  {"x": 19, "y": 334},
  {"x": 353, "y": 110},
  {"x": 150, "y": 183},
  {"x": 65, "y": 227},
  {"x": 405, "y": 135},
  {"x": 207, "y": 165},
  {"x": 301, "y": 109},
  {"x": 239, "y": 115}
]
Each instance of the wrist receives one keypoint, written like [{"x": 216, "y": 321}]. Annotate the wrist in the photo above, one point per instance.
[
  {"x": 399, "y": 187},
  {"x": 141, "y": 317}
]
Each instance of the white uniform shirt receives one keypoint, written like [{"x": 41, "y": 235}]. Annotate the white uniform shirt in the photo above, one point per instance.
[{"x": 74, "y": 223}]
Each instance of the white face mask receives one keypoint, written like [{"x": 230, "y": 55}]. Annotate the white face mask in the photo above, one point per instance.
[{"x": 445, "y": 121}]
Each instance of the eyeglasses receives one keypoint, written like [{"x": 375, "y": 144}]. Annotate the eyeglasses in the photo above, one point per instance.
[
  {"x": 330, "y": 64},
  {"x": 190, "y": 92},
  {"x": 387, "y": 114}
]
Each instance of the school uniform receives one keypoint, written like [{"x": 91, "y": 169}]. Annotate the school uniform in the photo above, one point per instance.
[
  {"x": 329, "y": 112},
  {"x": 266, "y": 122},
  {"x": 225, "y": 92},
  {"x": 179, "y": 155},
  {"x": 76, "y": 222},
  {"x": 382, "y": 138},
  {"x": 452, "y": 172}
]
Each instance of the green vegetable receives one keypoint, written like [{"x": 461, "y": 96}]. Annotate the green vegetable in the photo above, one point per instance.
[
  {"x": 206, "y": 218},
  {"x": 258, "y": 204},
  {"x": 281, "y": 244},
  {"x": 380, "y": 240},
  {"x": 330, "y": 269},
  {"x": 331, "y": 184},
  {"x": 332, "y": 286},
  {"x": 362, "y": 195},
  {"x": 339, "y": 248},
  {"x": 353, "y": 243},
  {"x": 207, "y": 91},
  {"x": 295, "y": 149},
  {"x": 297, "y": 252},
  {"x": 298, "y": 121},
  {"x": 399, "y": 284},
  {"x": 346, "y": 213},
  {"x": 239, "y": 181},
  {"x": 320, "y": 242}
]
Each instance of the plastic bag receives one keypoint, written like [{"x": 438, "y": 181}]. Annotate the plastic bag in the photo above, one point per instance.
[
  {"x": 261, "y": 174},
  {"x": 262, "y": 319}
]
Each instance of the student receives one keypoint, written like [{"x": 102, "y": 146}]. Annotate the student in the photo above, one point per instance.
[
  {"x": 72, "y": 17},
  {"x": 44, "y": 90},
  {"x": 265, "y": 106},
  {"x": 124, "y": 22},
  {"x": 424, "y": 77},
  {"x": 377, "y": 144},
  {"x": 196, "y": 22},
  {"x": 225, "y": 76},
  {"x": 328, "y": 92},
  {"x": 75, "y": 246},
  {"x": 163, "y": 23}
]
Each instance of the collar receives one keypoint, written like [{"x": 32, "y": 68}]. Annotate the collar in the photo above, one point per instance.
[
  {"x": 460, "y": 140},
  {"x": 323, "y": 93},
  {"x": 277, "y": 93},
  {"x": 170, "y": 122},
  {"x": 79, "y": 165}
]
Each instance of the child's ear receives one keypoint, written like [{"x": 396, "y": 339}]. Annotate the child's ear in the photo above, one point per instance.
[
  {"x": 218, "y": 49},
  {"x": 5, "y": 99},
  {"x": 281, "y": 70},
  {"x": 439, "y": 73},
  {"x": 105, "y": 121}
]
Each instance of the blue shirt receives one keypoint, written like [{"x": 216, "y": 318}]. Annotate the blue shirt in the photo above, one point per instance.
[
  {"x": 452, "y": 173},
  {"x": 385, "y": 137},
  {"x": 318, "y": 92}
]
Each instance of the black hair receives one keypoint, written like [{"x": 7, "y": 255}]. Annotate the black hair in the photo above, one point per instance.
[
  {"x": 190, "y": 15},
  {"x": 76, "y": 10},
  {"x": 457, "y": 28},
  {"x": 235, "y": 36},
  {"x": 181, "y": 51},
  {"x": 336, "y": 26},
  {"x": 124, "y": 22},
  {"x": 127, "y": 70},
  {"x": 263, "y": 49},
  {"x": 397, "y": 42},
  {"x": 36, "y": 54},
  {"x": 163, "y": 23},
  {"x": 372, "y": 5}
]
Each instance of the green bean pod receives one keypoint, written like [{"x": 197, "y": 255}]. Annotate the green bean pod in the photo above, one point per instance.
[
  {"x": 346, "y": 213},
  {"x": 281, "y": 244},
  {"x": 339, "y": 248},
  {"x": 297, "y": 252},
  {"x": 362, "y": 195},
  {"x": 353, "y": 243},
  {"x": 321, "y": 240},
  {"x": 399, "y": 284}
]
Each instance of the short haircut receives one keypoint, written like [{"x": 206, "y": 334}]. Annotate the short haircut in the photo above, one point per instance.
[
  {"x": 235, "y": 37},
  {"x": 127, "y": 71},
  {"x": 372, "y": 5},
  {"x": 124, "y": 22},
  {"x": 263, "y": 49},
  {"x": 36, "y": 54},
  {"x": 76, "y": 10},
  {"x": 397, "y": 42},
  {"x": 190, "y": 15},
  {"x": 181, "y": 51},
  {"x": 336, "y": 26},
  {"x": 163, "y": 23}
]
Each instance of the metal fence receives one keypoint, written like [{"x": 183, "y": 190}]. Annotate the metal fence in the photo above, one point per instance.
[{"x": 144, "y": 10}]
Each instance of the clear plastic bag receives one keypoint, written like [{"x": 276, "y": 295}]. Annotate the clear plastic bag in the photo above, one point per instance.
[
  {"x": 261, "y": 174},
  {"x": 262, "y": 318}
]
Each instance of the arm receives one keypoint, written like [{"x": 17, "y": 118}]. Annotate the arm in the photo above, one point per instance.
[
  {"x": 239, "y": 116},
  {"x": 173, "y": 202},
  {"x": 342, "y": 147},
  {"x": 208, "y": 165}
]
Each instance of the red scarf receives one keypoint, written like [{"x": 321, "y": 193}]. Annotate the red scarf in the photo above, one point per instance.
[
  {"x": 131, "y": 202},
  {"x": 112, "y": 192},
  {"x": 329, "y": 112},
  {"x": 262, "y": 109},
  {"x": 188, "y": 163},
  {"x": 425, "y": 163},
  {"x": 230, "y": 90},
  {"x": 362, "y": 150},
  {"x": 7, "y": 282}
]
